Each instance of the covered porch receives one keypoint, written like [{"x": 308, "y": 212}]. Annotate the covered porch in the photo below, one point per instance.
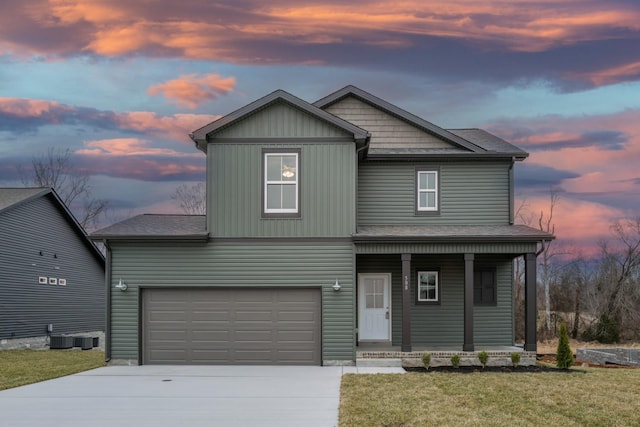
[{"x": 450, "y": 292}]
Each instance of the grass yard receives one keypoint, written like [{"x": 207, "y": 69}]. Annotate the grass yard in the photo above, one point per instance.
[
  {"x": 599, "y": 397},
  {"x": 20, "y": 367}
]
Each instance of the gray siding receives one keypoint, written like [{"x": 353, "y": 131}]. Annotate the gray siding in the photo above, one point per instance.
[
  {"x": 327, "y": 184},
  {"x": 228, "y": 264},
  {"x": 386, "y": 131},
  {"x": 281, "y": 120},
  {"x": 470, "y": 193},
  {"x": 27, "y": 307},
  {"x": 442, "y": 324},
  {"x": 493, "y": 325}
]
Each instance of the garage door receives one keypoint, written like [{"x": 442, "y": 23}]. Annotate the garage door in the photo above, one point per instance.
[{"x": 231, "y": 326}]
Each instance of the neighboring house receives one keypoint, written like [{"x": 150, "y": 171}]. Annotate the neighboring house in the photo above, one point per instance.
[
  {"x": 329, "y": 226},
  {"x": 51, "y": 274}
]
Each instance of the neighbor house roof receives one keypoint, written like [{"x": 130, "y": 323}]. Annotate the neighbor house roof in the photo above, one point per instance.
[
  {"x": 156, "y": 227},
  {"x": 10, "y": 198},
  {"x": 200, "y": 136},
  {"x": 441, "y": 233}
]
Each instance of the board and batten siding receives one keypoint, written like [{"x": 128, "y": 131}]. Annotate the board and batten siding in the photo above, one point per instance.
[
  {"x": 470, "y": 193},
  {"x": 281, "y": 120},
  {"x": 442, "y": 324},
  {"x": 236, "y": 264},
  {"x": 327, "y": 191},
  {"x": 26, "y": 306}
]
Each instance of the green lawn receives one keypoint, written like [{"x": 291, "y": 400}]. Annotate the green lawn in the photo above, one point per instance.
[
  {"x": 20, "y": 367},
  {"x": 599, "y": 397}
]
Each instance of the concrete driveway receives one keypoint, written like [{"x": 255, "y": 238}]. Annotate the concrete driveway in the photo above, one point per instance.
[{"x": 179, "y": 396}]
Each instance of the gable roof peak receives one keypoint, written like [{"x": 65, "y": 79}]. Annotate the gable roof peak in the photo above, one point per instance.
[
  {"x": 387, "y": 107},
  {"x": 200, "y": 136}
]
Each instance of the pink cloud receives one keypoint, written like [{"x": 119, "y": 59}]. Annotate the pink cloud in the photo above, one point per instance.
[
  {"x": 192, "y": 90},
  {"x": 128, "y": 147},
  {"x": 117, "y": 27},
  {"x": 176, "y": 126},
  {"x": 23, "y": 107},
  {"x": 28, "y": 114}
]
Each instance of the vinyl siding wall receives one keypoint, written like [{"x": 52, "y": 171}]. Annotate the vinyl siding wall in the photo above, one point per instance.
[
  {"x": 27, "y": 307},
  {"x": 327, "y": 191},
  {"x": 470, "y": 193},
  {"x": 229, "y": 264},
  {"x": 442, "y": 324}
]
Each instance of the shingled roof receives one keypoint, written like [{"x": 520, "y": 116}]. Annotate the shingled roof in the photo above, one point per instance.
[{"x": 156, "y": 227}]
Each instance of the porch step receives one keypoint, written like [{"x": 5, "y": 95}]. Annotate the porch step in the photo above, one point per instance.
[{"x": 379, "y": 363}]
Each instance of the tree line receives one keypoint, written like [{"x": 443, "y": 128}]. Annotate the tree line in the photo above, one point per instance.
[{"x": 598, "y": 297}]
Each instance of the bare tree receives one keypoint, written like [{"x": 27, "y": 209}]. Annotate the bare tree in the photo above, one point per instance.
[
  {"x": 545, "y": 223},
  {"x": 619, "y": 276},
  {"x": 191, "y": 199},
  {"x": 55, "y": 169}
]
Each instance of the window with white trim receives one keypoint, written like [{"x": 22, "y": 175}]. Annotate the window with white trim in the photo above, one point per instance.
[
  {"x": 427, "y": 191},
  {"x": 428, "y": 287},
  {"x": 281, "y": 180}
]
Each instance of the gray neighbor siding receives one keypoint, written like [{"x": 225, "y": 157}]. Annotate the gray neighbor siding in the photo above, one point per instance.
[
  {"x": 442, "y": 324},
  {"x": 236, "y": 264},
  {"x": 470, "y": 193},
  {"x": 27, "y": 307}
]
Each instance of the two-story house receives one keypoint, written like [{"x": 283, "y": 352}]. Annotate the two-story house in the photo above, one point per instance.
[{"x": 344, "y": 225}]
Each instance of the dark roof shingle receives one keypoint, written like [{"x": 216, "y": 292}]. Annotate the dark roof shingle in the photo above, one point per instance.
[{"x": 153, "y": 226}]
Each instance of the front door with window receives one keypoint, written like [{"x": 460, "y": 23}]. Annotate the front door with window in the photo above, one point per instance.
[{"x": 374, "y": 307}]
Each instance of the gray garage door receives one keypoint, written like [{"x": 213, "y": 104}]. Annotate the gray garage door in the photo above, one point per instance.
[{"x": 231, "y": 326}]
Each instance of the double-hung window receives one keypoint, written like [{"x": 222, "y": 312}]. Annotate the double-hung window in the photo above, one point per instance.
[
  {"x": 428, "y": 291},
  {"x": 281, "y": 190},
  {"x": 426, "y": 191}
]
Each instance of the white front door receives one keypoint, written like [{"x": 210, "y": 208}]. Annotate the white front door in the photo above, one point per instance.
[{"x": 374, "y": 307}]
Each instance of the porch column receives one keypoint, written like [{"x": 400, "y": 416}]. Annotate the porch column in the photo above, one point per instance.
[
  {"x": 406, "y": 302},
  {"x": 530, "y": 309},
  {"x": 467, "y": 345}
]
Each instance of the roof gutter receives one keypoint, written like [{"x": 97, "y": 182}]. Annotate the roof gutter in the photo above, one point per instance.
[{"x": 444, "y": 239}]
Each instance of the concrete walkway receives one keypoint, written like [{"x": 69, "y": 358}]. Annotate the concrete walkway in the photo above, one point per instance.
[{"x": 182, "y": 396}]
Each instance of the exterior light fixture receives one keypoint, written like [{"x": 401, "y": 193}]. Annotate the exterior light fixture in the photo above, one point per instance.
[
  {"x": 336, "y": 286},
  {"x": 121, "y": 285}
]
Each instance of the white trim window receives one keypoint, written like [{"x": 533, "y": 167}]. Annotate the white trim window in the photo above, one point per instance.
[
  {"x": 428, "y": 286},
  {"x": 427, "y": 191},
  {"x": 281, "y": 174}
]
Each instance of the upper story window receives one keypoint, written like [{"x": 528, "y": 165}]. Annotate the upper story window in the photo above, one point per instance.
[
  {"x": 427, "y": 186},
  {"x": 281, "y": 185}
]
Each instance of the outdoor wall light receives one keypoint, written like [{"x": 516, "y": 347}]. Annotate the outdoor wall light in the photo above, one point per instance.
[
  {"x": 121, "y": 285},
  {"x": 336, "y": 286}
]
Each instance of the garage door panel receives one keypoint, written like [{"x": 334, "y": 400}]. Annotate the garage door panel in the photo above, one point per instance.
[{"x": 231, "y": 326}]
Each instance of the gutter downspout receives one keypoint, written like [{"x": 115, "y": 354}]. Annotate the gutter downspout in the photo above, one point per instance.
[
  {"x": 354, "y": 308},
  {"x": 107, "y": 280}
]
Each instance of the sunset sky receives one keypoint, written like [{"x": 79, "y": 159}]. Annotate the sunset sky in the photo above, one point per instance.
[{"x": 123, "y": 82}]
